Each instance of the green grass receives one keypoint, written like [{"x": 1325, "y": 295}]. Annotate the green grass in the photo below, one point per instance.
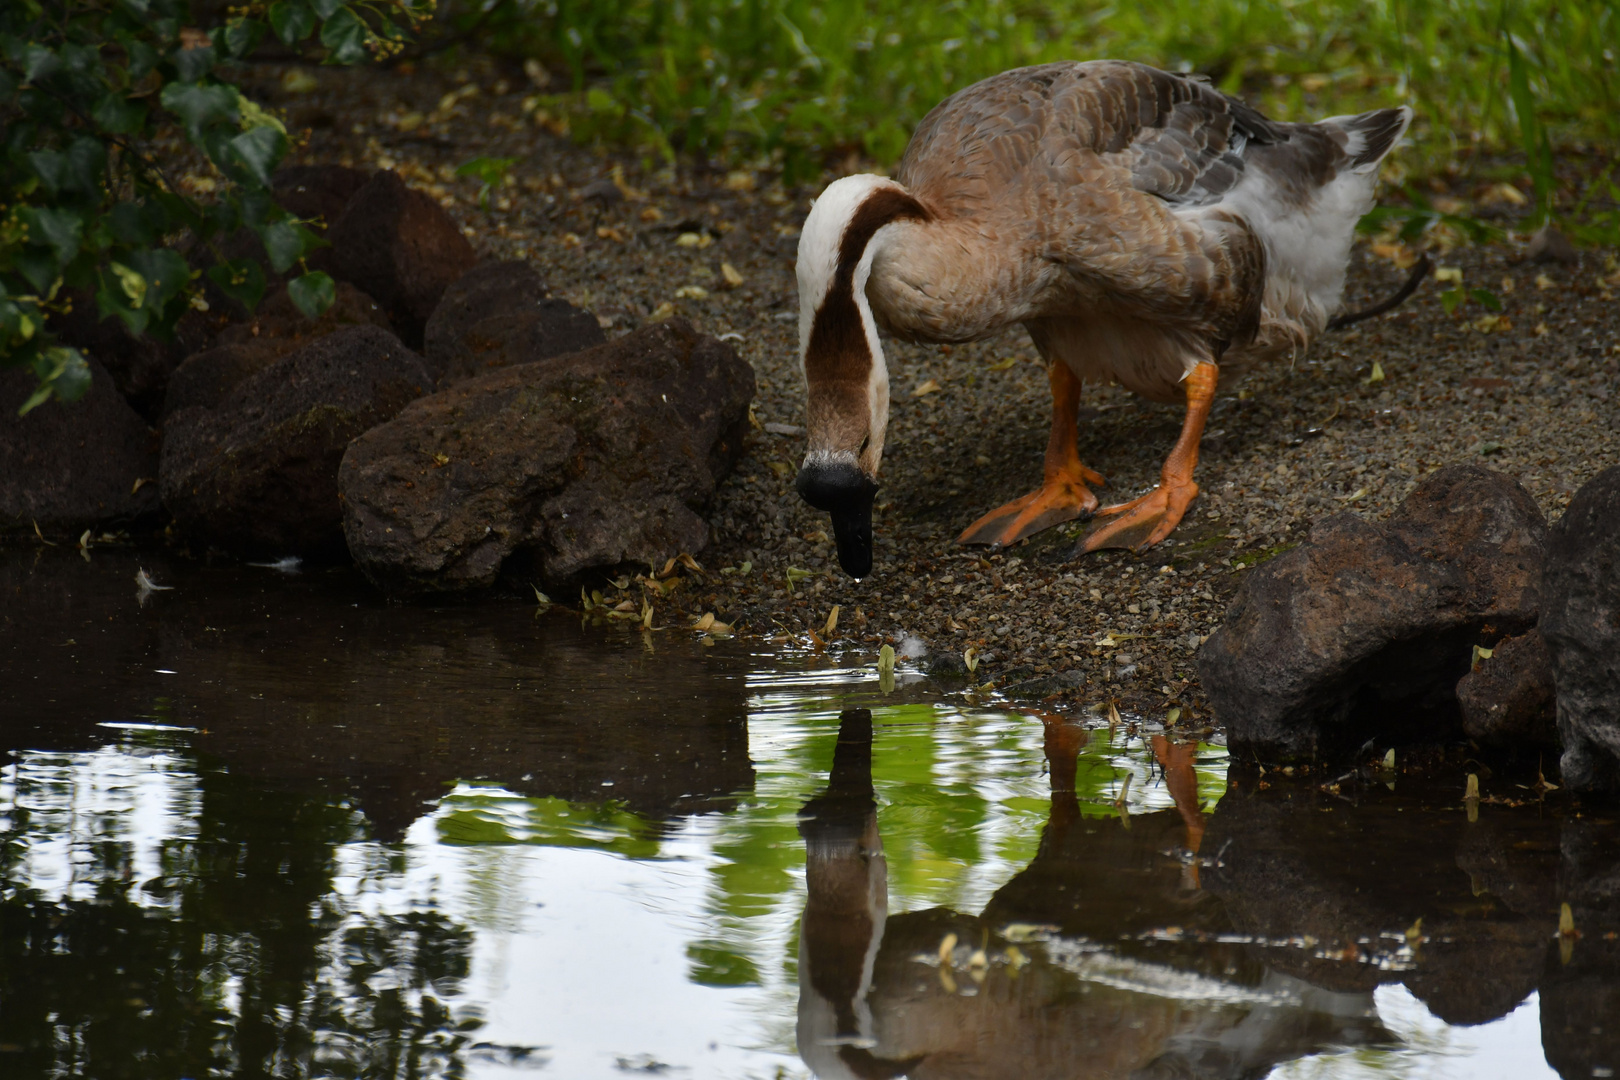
[{"x": 796, "y": 84}]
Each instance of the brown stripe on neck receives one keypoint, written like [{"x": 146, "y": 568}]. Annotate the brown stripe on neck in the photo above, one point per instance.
[{"x": 837, "y": 349}]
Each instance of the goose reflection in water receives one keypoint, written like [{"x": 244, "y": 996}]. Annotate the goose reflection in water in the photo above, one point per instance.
[{"x": 1094, "y": 994}]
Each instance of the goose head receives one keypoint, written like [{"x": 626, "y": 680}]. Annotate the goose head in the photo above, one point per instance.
[{"x": 845, "y": 377}]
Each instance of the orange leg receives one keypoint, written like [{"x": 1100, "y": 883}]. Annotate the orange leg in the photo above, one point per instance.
[
  {"x": 1143, "y": 522},
  {"x": 1063, "y": 495}
]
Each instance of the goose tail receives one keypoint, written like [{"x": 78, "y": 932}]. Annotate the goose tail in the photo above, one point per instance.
[{"x": 1370, "y": 136}]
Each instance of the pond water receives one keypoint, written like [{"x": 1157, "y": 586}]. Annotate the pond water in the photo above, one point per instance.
[{"x": 264, "y": 824}]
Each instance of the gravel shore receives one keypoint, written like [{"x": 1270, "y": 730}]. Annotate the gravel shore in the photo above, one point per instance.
[{"x": 1529, "y": 390}]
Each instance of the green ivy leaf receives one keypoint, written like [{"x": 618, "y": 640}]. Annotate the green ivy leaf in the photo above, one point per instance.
[
  {"x": 51, "y": 168},
  {"x": 86, "y": 165},
  {"x": 291, "y": 20},
  {"x": 286, "y": 242},
  {"x": 198, "y": 106},
  {"x": 111, "y": 302},
  {"x": 62, "y": 373},
  {"x": 39, "y": 267},
  {"x": 1486, "y": 297},
  {"x": 1451, "y": 299},
  {"x": 166, "y": 274},
  {"x": 194, "y": 63},
  {"x": 312, "y": 293},
  {"x": 240, "y": 279},
  {"x": 345, "y": 35},
  {"x": 118, "y": 114},
  {"x": 59, "y": 229},
  {"x": 327, "y": 8},
  {"x": 133, "y": 284},
  {"x": 39, "y": 62},
  {"x": 240, "y": 36},
  {"x": 258, "y": 151},
  {"x": 142, "y": 56}
]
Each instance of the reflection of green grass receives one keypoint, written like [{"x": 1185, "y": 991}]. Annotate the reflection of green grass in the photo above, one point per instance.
[
  {"x": 500, "y": 818},
  {"x": 962, "y": 801},
  {"x": 716, "y": 965}
]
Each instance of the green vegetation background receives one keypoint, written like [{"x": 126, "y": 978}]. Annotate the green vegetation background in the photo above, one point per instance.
[
  {"x": 92, "y": 90},
  {"x": 794, "y": 80}
]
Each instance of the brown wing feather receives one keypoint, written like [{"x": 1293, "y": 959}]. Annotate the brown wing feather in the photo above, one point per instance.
[{"x": 1086, "y": 164}]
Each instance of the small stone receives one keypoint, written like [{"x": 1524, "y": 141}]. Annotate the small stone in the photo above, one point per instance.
[
  {"x": 1507, "y": 700},
  {"x": 1549, "y": 245},
  {"x": 604, "y": 192}
]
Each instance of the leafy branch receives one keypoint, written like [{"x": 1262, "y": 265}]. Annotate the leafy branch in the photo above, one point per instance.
[{"x": 86, "y": 210}]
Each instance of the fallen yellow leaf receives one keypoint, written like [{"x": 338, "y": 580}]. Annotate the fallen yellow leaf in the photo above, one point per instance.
[{"x": 928, "y": 387}]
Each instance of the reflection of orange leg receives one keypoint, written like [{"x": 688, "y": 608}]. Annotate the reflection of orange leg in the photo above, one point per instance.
[
  {"x": 1143, "y": 522},
  {"x": 1064, "y": 741},
  {"x": 1063, "y": 495},
  {"x": 1176, "y": 759}
]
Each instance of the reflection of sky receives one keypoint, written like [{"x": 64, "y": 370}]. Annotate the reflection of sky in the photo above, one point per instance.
[
  {"x": 589, "y": 924},
  {"x": 1508, "y": 1048}
]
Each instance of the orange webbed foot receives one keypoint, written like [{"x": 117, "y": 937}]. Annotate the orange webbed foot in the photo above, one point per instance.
[
  {"x": 1141, "y": 523},
  {"x": 1061, "y": 498}
]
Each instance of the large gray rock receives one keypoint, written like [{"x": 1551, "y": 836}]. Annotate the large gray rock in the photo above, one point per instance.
[
  {"x": 1363, "y": 632},
  {"x": 589, "y": 460},
  {"x": 1581, "y": 622},
  {"x": 398, "y": 245},
  {"x": 258, "y": 474},
  {"x": 69, "y": 465},
  {"x": 498, "y": 314}
]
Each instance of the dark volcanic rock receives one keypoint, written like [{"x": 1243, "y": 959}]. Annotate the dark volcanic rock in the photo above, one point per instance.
[
  {"x": 275, "y": 330},
  {"x": 139, "y": 365},
  {"x": 1581, "y": 622},
  {"x": 68, "y": 465},
  {"x": 1364, "y": 631},
  {"x": 258, "y": 475},
  {"x": 1580, "y": 991},
  {"x": 498, "y": 314},
  {"x": 399, "y": 246},
  {"x": 1507, "y": 700},
  {"x": 1283, "y": 873},
  {"x": 589, "y": 460},
  {"x": 318, "y": 194}
]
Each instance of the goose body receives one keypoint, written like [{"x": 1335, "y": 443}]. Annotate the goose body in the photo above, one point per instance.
[{"x": 1145, "y": 229}]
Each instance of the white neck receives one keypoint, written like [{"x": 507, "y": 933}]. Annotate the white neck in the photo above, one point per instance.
[{"x": 820, "y": 244}]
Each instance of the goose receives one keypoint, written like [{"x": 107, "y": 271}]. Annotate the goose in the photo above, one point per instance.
[{"x": 1145, "y": 229}]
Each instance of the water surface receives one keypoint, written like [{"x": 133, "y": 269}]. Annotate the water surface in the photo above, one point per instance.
[{"x": 267, "y": 825}]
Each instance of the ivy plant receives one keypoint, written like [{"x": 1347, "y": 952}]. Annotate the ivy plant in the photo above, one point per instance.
[{"x": 90, "y": 91}]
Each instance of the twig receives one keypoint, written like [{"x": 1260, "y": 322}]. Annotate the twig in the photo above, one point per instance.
[{"x": 1413, "y": 280}]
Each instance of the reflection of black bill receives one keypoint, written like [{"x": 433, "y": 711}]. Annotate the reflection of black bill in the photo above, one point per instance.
[{"x": 841, "y": 489}]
